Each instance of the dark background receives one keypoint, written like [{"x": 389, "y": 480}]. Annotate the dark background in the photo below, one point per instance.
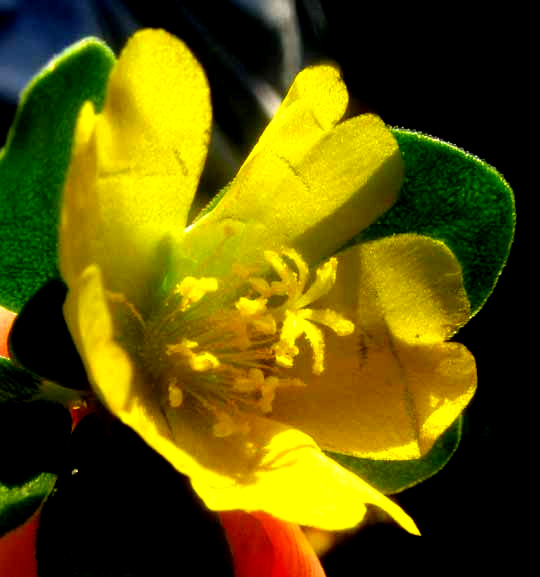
[{"x": 458, "y": 72}]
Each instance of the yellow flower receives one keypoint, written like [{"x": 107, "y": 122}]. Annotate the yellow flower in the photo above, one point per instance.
[{"x": 238, "y": 347}]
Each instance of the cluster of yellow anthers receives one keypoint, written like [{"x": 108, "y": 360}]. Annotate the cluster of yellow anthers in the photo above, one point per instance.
[{"x": 233, "y": 359}]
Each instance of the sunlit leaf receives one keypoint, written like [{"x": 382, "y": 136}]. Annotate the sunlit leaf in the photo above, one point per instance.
[{"x": 34, "y": 162}]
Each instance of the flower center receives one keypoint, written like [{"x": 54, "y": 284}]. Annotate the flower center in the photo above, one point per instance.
[{"x": 229, "y": 345}]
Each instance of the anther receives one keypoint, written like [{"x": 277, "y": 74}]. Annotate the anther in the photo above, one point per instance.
[
  {"x": 192, "y": 290},
  {"x": 176, "y": 396}
]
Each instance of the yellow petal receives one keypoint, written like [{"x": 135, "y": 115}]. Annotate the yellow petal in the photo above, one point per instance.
[
  {"x": 296, "y": 482},
  {"x": 136, "y": 168},
  {"x": 274, "y": 469},
  {"x": 315, "y": 103},
  {"x": 393, "y": 386},
  {"x": 310, "y": 184},
  {"x": 80, "y": 217},
  {"x": 87, "y": 313}
]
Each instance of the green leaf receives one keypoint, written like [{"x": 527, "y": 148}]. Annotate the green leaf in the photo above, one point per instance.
[
  {"x": 394, "y": 476},
  {"x": 16, "y": 384},
  {"x": 455, "y": 197},
  {"x": 34, "y": 162},
  {"x": 33, "y": 441}
]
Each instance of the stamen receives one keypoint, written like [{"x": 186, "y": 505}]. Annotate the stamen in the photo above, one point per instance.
[
  {"x": 303, "y": 270},
  {"x": 233, "y": 361},
  {"x": 285, "y": 354},
  {"x": 225, "y": 425},
  {"x": 331, "y": 319},
  {"x": 200, "y": 362},
  {"x": 277, "y": 263},
  {"x": 176, "y": 396},
  {"x": 315, "y": 338},
  {"x": 251, "y": 307},
  {"x": 298, "y": 320},
  {"x": 192, "y": 290},
  {"x": 268, "y": 394},
  {"x": 203, "y": 362},
  {"x": 255, "y": 312},
  {"x": 120, "y": 298},
  {"x": 325, "y": 280},
  {"x": 261, "y": 286},
  {"x": 251, "y": 382},
  {"x": 182, "y": 348}
]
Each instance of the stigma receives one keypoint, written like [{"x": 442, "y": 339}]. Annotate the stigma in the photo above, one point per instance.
[{"x": 229, "y": 346}]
